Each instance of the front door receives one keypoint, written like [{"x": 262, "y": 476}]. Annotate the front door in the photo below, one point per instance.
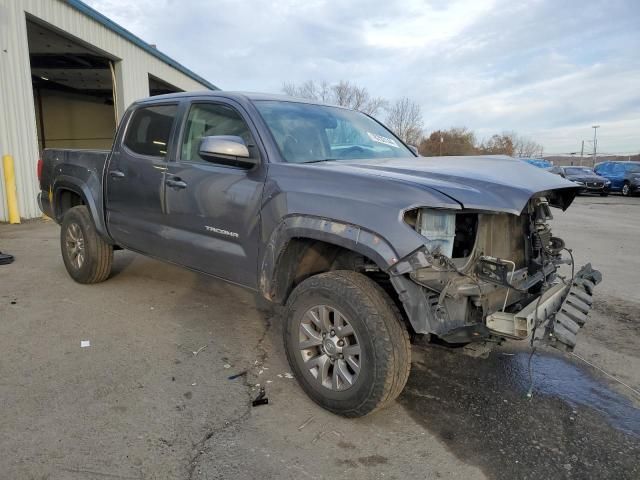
[
  {"x": 213, "y": 206},
  {"x": 135, "y": 179}
]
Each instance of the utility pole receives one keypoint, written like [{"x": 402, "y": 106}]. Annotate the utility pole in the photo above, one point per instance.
[
  {"x": 595, "y": 144},
  {"x": 581, "y": 152},
  {"x": 441, "y": 142}
]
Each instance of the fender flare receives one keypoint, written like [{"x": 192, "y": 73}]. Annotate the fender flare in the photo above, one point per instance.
[
  {"x": 335, "y": 232},
  {"x": 66, "y": 182}
]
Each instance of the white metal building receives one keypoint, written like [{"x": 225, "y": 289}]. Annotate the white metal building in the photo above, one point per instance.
[{"x": 67, "y": 74}]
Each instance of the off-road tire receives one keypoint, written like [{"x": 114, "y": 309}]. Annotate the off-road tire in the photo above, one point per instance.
[
  {"x": 382, "y": 334},
  {"x": 98, "y": 254}
]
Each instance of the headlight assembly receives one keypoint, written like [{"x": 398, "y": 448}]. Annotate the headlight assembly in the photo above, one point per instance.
[{"x": 438, "y": 227}]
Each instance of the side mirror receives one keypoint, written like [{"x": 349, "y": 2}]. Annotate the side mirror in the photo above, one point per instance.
[{"x": 226, "y": 147}]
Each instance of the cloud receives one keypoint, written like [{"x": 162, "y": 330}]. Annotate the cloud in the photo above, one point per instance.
[{"x": 543, "y": 68}]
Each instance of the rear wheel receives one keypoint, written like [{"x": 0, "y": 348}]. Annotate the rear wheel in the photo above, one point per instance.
[
  {"x": 346, "y": 343},
  {"x": 626, "y": 189},
  {"x": 86, "y": 255}
]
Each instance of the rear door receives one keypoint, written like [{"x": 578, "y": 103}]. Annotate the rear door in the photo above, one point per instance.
[
  {"x": 134, "y": 179},
  {"x": 213, "y": 206},
  {"x": 616, "y": 173}
]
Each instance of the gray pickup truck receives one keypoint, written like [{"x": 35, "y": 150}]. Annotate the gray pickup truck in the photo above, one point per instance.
[{"x": 325, "y": 211}]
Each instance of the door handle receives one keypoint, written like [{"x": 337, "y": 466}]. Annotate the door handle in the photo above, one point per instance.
[
  {"x": 175, "y": 183},
  {"x": 116, "y": 174}
]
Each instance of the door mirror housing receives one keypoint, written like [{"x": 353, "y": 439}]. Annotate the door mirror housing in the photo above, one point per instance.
[{"x": 226, "y": 148}]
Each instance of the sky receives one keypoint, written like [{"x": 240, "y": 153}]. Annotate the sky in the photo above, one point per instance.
[{"x": 547, "y": 69}]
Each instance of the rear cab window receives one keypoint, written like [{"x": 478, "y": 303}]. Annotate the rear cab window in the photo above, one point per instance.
[{"x": 149, "y": 130}]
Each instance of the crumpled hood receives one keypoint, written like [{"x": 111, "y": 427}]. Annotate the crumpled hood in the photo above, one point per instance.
[{"x": 493, "y": 183}]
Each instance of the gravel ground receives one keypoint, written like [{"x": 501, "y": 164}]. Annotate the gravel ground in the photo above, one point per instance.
[{"x": 139, "y": 403}]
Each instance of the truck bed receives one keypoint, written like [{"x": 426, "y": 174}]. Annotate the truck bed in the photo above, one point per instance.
[{"x": 72, "y": 170}]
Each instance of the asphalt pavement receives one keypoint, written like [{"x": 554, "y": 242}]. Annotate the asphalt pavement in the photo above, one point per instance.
[{"x": 151, "y": 397}]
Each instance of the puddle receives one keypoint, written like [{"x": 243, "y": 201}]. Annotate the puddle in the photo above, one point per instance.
[
  {"x": 558, "y": 377},
  {"x": 573, "y": 427}
]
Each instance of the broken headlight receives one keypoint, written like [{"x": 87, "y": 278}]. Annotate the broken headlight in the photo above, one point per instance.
[{"x": 438, "y": 227}]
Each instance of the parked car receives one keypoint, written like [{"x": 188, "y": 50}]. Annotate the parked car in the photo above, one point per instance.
[
  {"x": 538, "y": 162},
  {"x": 325, "y": 211},
  {"x": 624, "y": 176},
  {"x": 585, "y": 177}
]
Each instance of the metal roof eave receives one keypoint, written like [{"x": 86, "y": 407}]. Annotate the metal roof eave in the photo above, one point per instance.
[{"x": 126, "y": 34}]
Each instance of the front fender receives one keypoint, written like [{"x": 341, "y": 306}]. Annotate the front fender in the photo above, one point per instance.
[{"x": 351, "y": 237}]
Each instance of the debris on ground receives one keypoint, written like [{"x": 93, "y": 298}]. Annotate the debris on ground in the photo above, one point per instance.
[
  {"x": 306, "y": 422},
  {"x": 236, "y": 375},
  {"x": 195, "y": 354},
  {"x": 226, "y": 365},
  {"x": 85, "y": 343},
  {"x": 288, "y": 375},
  {"x": 261, "y": 399}
]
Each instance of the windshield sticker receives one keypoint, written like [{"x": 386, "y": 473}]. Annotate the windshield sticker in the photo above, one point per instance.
[{"x": 385, "y": 140}]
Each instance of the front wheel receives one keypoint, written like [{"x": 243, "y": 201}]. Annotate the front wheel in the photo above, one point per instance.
[
  {"x": 346, "y": 343},
  {"x": 86, "y": 255}
]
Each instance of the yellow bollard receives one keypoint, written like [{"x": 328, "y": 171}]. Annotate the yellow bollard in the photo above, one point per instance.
[{"x": 10, "y": 188}]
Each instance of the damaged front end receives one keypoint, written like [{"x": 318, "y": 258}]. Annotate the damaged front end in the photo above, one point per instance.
[{"x": 486, "y": 276}]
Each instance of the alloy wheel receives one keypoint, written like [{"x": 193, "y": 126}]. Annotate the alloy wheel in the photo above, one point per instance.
[
  {"x": 74, "y": 241},
  {"x": 329, "y": 347}
]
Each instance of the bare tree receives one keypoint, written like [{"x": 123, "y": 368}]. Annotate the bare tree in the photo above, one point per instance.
[
  {"x": 343, "y": 93},
  {"x": 405, "y": 120},
  {"x": 523, "y": 146}
]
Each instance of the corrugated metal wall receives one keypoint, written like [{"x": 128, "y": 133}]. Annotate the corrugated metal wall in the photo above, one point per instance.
[{"x": 18, "y": 136}]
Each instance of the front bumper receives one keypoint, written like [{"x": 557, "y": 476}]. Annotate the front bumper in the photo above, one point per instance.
[
  {"x": 555, "y": 317},
  {"x": 594, "y": 188}
]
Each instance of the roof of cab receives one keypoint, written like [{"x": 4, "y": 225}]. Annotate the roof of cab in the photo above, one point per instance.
[{"x": 241, "y": 96}]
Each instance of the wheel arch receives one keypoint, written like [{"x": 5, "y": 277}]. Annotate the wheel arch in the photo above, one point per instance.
[
  {"x": 301, "y": 246},
  {"x": 69, "y": 192}
]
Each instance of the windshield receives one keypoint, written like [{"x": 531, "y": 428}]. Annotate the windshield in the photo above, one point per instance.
[
  {"x": 314, "y": 133},
  {"x": 578, "y": 171}
]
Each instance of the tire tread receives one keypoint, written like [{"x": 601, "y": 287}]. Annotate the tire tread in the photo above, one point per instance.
[{"x": 389, "y": 333}]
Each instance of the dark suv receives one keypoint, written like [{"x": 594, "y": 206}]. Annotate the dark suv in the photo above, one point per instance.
[
  {"x": 624, "y": 176},
  {"x": 585, "y": 177}
]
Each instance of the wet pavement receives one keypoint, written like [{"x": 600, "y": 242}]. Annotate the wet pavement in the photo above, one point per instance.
[{"x": 573, "y": 426}]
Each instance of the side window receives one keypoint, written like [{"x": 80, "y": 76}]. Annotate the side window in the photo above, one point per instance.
[
  {"x": 617, "y": 169},
  {"x": 149, "y": 130},
  {"x": 208, "y": 119}
]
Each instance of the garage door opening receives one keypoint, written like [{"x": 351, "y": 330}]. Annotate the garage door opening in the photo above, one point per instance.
[
  {"x": 73, "y": 91},
  {"x": 159, "y": 87}
]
